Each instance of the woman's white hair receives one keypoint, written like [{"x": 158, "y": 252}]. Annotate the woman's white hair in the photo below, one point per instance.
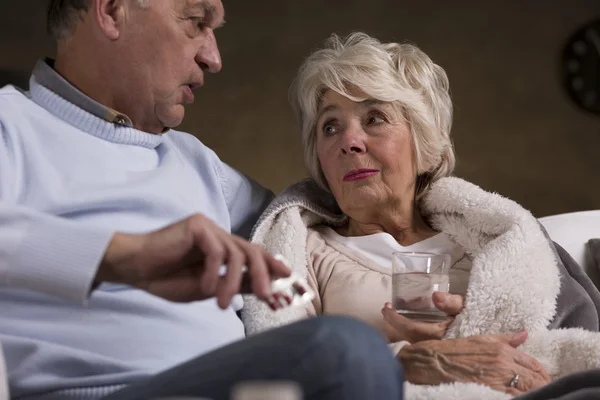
[{"x": 401, "y": 74}]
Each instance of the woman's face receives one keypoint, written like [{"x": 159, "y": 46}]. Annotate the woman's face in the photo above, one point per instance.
[{"x": 366, "y": 153}]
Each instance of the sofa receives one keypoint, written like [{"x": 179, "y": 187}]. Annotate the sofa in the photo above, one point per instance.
[{"x": 573, "y": 231}]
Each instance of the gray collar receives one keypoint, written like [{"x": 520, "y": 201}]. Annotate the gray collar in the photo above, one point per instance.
[{"x": 46, "y": 76}]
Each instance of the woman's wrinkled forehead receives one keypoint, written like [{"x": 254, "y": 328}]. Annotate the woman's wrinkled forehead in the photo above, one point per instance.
[
  {"x": 331, "y": 100},
  {"x": 347, "y": 90},
  {"x": 351, "y": 93}
]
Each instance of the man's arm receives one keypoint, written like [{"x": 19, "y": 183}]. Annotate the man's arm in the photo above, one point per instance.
[
  {"x": 246, "y": 200},
  {"x": 39, "y": 251},
  {"x": 65, "y": 258},
  {"x": 49, "y": 254}
]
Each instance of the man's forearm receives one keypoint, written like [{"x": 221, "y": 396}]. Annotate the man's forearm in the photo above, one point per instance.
[
  {"x": 49, "y": 254},
  {"x": 120, "y": 252}
]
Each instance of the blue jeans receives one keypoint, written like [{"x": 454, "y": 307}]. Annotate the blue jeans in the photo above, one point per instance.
[{"x": 330, "y": 357}]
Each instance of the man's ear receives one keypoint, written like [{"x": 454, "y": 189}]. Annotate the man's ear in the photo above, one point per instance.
[{"x": 110, "y": 15}]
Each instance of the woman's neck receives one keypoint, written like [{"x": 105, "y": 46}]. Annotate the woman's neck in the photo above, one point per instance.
[{"x": 406, "y": 227}]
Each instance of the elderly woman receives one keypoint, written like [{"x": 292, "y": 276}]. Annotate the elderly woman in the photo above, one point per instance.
[{"x": 375, "y": 121}]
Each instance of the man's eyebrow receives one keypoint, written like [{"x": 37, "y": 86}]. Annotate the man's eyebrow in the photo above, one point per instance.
[
  {"x": 201, "y": 5},
  {"x": 207, "y": 7}
]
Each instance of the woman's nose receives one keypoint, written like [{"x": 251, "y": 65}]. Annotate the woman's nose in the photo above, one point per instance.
[{"x": 353, "y": 141}]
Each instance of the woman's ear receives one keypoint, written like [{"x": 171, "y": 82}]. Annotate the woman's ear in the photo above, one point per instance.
[{"x": 109, "y": 15}]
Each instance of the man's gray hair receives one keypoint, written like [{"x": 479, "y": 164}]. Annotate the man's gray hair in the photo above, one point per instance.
[
  {"x": 63, "y": 15},
  {"x": 400, "y": 74}
]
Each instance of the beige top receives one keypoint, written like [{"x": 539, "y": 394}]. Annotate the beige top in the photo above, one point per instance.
[{"x": 348, "y": 283}]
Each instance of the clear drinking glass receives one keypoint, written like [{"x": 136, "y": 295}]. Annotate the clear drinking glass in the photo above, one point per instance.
[{"x": 415, "y": 276}]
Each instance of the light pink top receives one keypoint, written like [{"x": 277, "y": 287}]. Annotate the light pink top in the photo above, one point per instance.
[{"x": 352, "y": 275}]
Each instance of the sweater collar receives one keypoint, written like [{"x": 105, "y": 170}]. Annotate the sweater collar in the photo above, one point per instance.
[{"x": 54, "y": 93}]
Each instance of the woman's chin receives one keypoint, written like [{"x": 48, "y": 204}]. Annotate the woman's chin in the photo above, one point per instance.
[{"x": 361, "y": 196}]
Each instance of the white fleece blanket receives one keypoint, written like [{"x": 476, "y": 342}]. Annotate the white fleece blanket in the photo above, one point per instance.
[{"x": 514, "y": 282}]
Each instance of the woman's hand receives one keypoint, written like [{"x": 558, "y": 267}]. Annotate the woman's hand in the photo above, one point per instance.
[
  {"x": 491, "y": 360},
  {"x": 400, "y": 328},
  {"x": 451, "y": 304}
]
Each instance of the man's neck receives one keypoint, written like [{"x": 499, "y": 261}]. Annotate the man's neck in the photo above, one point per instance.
[
  {"x": 95, "y": 82},
  {"x": 73, "y": 69}
]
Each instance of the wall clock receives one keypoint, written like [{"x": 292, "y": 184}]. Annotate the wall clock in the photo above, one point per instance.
[{"x": 580, "y": 63}]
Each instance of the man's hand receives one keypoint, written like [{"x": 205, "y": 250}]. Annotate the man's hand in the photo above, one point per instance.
[
  {"x": 400, "y": 328},
  {"x": 491, "y": 360},
  {"x": 182, "y": 261}
]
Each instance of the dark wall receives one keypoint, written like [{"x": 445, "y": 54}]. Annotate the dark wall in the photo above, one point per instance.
[{"x": 515, "y": 130}]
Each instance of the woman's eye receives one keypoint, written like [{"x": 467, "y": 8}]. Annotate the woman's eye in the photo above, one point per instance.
[
  {"x": 328, "y": 129},
  {"x": 374, "y": 119}
]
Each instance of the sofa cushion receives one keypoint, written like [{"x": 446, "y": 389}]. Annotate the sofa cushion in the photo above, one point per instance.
[
  {"x": 573, "y": 231},
  {"x": 593, "y": 249}
]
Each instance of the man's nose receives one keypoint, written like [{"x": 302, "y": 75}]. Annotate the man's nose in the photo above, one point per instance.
[{"x": 208, "y": 56}]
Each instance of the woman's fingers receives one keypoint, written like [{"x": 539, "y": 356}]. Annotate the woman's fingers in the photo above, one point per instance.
[
  {"x": 528, "y": 379},
  {"x": 451, "y": 304},
  {"x": 490, "y": 360},
  {"x": 534, "y": 366},
  {"x": 392, "y": 334},
  {"x": 411, "y": 330},
  {"x": 531, "y": 374},
  {"x": 444, "y": 325},
  {"x": 518, "y": 338},
  {"x": 514, "y": 339},
  {"x": 396, "y": 320}
]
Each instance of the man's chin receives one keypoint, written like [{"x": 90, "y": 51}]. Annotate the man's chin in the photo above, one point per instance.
[{"x": 173, "y": 117}]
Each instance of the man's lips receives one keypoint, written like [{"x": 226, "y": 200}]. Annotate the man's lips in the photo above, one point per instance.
[
  {"x": 188, "y": 91},
  {"x": 358, "y": 174},
  {"x": 195, "y": 85},
  {"x": 188, "y": 95}
]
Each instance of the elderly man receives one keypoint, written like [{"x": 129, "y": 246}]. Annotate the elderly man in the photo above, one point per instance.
[{"x": 114, "y": 227}]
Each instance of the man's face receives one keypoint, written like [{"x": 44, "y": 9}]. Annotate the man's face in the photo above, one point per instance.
[{"x": 167, "y": 48}]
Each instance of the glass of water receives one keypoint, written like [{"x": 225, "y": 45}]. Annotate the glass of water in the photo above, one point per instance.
[{"x": 415, "y": 276}]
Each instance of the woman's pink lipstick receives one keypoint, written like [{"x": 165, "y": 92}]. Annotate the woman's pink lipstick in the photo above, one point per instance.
[{"x": 359, "y": 174}]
